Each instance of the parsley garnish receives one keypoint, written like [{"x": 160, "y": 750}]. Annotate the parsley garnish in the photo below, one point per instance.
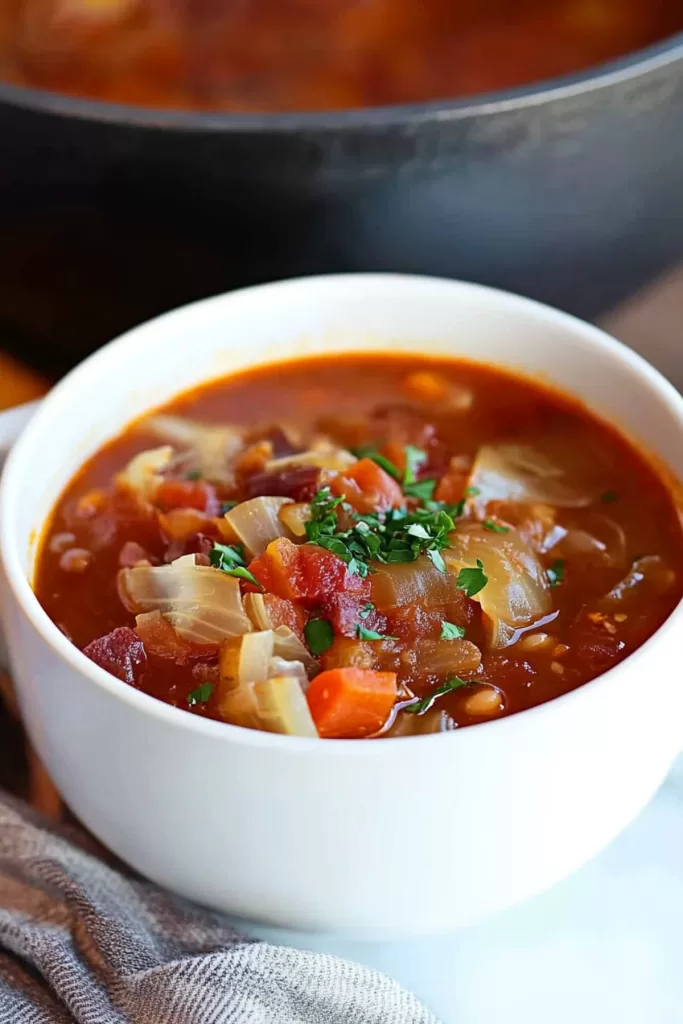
[
  {"x": 472, "y": 492},
  {"x": 449, "y": 631},
  {"x": 494, "y": 527},
  {"x": 426, "y": 703},
  {"x": 366, "y": 610},
  {"x": 226, "y": 506},
  {"x": 319, "y": 635},
  {"x": 200, "y": 695},
  {"x": 224, "y": 556},
  {"x": 369, "y": 634},
  {"x": 230, "y": 560},
  {"x": 609, "y": 497},
  {"x": 472, "y": 579},
  {"x": 556, "y": 573},
  {"x": 421, "y": 489},
  {"x": 415, "y": 458},
  {"x": 194, "y": 474}
]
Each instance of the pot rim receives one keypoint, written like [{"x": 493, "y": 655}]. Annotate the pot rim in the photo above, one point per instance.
[{"x": 600, "y": 76}]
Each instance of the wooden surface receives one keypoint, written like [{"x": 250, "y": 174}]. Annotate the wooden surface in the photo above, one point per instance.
[{"x": 17, "y": 383}]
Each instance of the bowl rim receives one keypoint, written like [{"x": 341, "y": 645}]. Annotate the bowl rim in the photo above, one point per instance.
[
  {"x": 446, "y": 109},
  {"x": 27, "y": 602}
]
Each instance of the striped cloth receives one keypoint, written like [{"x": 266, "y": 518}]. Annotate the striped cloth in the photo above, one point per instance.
[{"x": 82, "y": 942}]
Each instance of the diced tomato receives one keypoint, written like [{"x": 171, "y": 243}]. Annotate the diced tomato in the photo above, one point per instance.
[
  {"x": 187, "y": 494},
  {"x": 306, "y": 573},
  {"x": 285, "y": 613},
  {"x": 161, "y": 639},
  {"x": 368, "y": 488},
  {"x": 343, "y": 611},
  {"x": 120, "y": 652}
]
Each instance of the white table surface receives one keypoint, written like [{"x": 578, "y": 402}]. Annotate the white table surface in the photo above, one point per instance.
[{"x": 606, "y": 945}]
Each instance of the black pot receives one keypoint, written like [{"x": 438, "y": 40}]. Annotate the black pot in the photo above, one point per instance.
[{"x": 571, "y": 191}]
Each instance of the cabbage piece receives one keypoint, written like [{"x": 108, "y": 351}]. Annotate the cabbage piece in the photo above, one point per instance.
[
  {"x": 402, "y": 583},
  {"x": 649, "y": 575},
  {"x": 599, "y": 539},
  {"x": 295, "y": 516},
  {"x": 213, "y": 446},
  {"x": 288, "y": 645},
  {"x": 143, "y": 474},
  {"x": 528, "y": 474},
  {"x": 517, "y": 592},
  {"x": 282, "y": 667},
  {"x": 203, "y": 604},
  {"x": 249, "y": 696},
  {"x": 257, "y": 522},
  {"x": 323, "y": 456}
]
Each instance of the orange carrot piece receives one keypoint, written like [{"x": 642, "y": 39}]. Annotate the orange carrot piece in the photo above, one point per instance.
[
  {"x": 349, "y": 703},
  {"x": 368, "y": 487}
]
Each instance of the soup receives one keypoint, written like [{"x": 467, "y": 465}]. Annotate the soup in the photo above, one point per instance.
[
  {"x": 363, "y": 546},
  {"x": 266, "y": 55}
]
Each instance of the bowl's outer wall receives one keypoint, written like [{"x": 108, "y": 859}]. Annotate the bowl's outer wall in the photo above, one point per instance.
[{"x": 572, "y": 197}]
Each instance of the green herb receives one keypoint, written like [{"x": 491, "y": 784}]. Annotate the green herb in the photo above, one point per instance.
[
  {"x": 472, "y": 492},
  {"x": 555, "y": 573},
  {"x": 494, "y": 527},
  {"x": 194, "y": 474},
  {"x": 243, "y": 574},
  {"x": 421, "y": 489},
  {"x": 366, "y": 610},
  {"x": 472, "y": 579},
  {"x": 415, "y": 458},
  {"x": 368, "y": 452},
  {"x": 226, "y": 506},
  {"x": 426, "y": 703},
  {"x": 436, "y": 558},
  {"x": 226, "y": 557},
  {"x": 449, "y": 631},
  {"x": 200, "y": 695},
  {"x": 369, "y": 634},
  {"x": 609, "y": 497},
  {"x": 319, "y": 635}
]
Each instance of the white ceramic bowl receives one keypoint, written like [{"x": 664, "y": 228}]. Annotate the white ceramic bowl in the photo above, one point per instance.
[{"x": 403, "y": 836}]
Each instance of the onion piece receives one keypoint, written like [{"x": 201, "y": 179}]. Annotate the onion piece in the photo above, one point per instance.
[
  {"x": 255, "y": 607},
  {"x": 599, "y": 539},
  {"x": 442, "y": 658},
  {"x": 282, "y": 667},
  {"x": 203, "y": 604},
  {"x": 324, "y": 456},
  {"x": 517, "y": 592},
  {"x": 418, "y": 582},
  {"x": 213, "y": 446},
  {"x": 648, "y": 575},
  {"x": 288, "y": 646},
  {"x": 527, "y": 474},
  {"x": 257, "y": 522},
  {"x": 142, "y": 476},
  {"x": 295, "y": 515},
  {"x": 245, "y": 659}
]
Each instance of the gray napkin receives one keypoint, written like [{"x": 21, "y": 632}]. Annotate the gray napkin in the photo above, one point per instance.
[{"x": 82, "y": 942}]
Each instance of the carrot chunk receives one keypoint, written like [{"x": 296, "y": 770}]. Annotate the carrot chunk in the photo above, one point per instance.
[
  {"x": 368, "y": 488},
  {"x": 349, "y": 703}
]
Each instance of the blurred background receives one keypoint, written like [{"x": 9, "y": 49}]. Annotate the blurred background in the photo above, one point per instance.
[{"x": 156, "y": 151}]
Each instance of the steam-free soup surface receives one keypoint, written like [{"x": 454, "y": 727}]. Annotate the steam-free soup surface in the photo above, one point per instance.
[
  {"x": 363, "y": 546},
  {"x": 260, "y": 55}
]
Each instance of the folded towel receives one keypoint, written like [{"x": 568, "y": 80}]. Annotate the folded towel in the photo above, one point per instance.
[{"x": 83, "y": 942}]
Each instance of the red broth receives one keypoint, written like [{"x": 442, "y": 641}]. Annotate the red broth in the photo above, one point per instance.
[
  {"x": 266, "y": 55},
  {"x": 459, "y": 544}
]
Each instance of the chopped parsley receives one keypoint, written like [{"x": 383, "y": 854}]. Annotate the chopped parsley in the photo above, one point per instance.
[
  {"x": 319, "y": 635},
  {"x": 369, "y": 634},
  {"x": 449, "y": 631},
  {"x": 609, "y": 497},
  {"x": 555, "y": 573},
  {"x": 472, "y": 579},
  {"x": 225, "y": 556},
  {"x": 426, "y": 703},
  {"x": 423, "y": 490},
  {"x": 194, "y": 474},
  {"x": 415, "y": 458},
  {"x": 230, "y": 560},
  {"x": 200, "y": 695},
  {"x": 493, "y": 527},
  {"x": 366, "y": 610}
]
